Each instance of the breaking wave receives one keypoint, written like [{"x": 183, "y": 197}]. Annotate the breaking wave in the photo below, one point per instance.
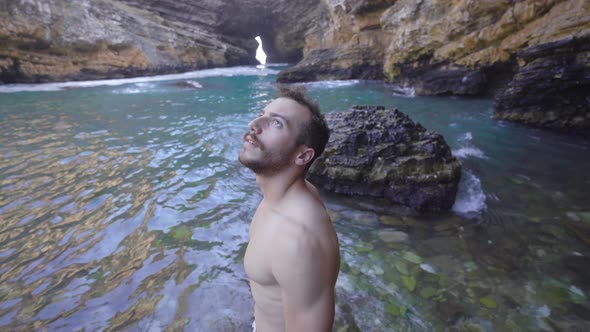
[
  {"x": 329, "y": 84},
  {"x": 231, "y": 71},
  {"x": 471, "y": 199},
  {"x": 401, "y": 91},
  {"x": 467, "y": 148}
]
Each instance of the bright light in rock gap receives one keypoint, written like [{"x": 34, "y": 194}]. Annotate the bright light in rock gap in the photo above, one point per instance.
[{"x": 260, "y": 55}]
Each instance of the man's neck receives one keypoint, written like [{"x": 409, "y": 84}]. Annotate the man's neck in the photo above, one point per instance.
[{"x": 274, "y": 188}]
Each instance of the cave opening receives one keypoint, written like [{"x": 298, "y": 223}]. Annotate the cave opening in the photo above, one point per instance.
[{"x": 260, "y": 55}]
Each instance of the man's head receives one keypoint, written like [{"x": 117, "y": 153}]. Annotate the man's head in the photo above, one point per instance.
[
  {"x": 313, "y": 133},
  {"x": 290, "y": 130}
]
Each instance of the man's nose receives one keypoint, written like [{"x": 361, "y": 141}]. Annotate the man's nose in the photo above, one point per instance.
[{"x": 255, "y": 126}]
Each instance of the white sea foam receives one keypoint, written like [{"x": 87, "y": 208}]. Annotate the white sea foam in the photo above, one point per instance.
[
  {"x": 135, "y": 88},
  {"x": 466, "y": 137},
  {"x": 276, "y": 64},
  {"x": 470, "y": 198},
  {"x": 329, "y": 84},
  {"x": 401, "y": 91},
  {"x": 468, "y": 152},
  {"x": 468, "y": 149},
  {"x": 194, "y": 84},
  {"x": 231, "y": 71}
]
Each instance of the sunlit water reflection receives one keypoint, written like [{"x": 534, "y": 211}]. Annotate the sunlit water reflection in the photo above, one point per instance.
[{"x": 123, "y": 206}]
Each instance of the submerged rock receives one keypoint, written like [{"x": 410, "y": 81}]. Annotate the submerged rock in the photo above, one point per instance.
[
  {"x": 551, "y": 88},
  {"x": 188, "y": 84},
  {"x": 390, "y": 236},
  {"x": 381, "y": 153}
]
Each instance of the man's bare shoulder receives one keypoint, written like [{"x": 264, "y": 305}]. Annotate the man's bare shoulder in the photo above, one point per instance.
[
  {"x": 296, "y": 241},
  {"x": 314, "y": 191},
  {"x": 302, "y": 229},
  {"x": 305, "y": 206},
  {"x": 305, "y": 232}
]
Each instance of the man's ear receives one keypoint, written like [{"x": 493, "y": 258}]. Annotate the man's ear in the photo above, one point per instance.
[{"x": 304, "y": 156}]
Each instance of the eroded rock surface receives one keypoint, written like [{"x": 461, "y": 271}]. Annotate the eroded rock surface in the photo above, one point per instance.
[
  {"x": 436, "y": 46},
  {"x": 452, "y": 47},
  {"x": 381, "y": 153},
  {"x": 551, "y": 87},
  {"x": 56, "y": 40}
]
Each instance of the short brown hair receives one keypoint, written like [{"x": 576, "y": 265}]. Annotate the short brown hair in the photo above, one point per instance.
[{"x": 315, "y": 132}]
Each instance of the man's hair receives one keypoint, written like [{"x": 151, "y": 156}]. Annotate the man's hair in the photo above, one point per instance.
[{"x": 315, "y": 132}]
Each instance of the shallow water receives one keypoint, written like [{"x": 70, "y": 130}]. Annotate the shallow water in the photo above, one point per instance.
[{"x": 123, "y": 206}]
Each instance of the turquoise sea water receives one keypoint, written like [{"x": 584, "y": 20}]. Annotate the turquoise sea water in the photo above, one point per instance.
[{"x": 123, "y": 207}]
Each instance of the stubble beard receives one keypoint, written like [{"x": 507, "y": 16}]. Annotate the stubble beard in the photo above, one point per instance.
[{"x": 268, "y": 162}]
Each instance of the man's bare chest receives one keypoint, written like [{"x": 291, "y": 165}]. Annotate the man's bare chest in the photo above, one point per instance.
[{"x": 258, "y": 256}]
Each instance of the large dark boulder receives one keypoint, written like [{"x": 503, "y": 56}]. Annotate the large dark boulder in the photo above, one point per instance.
[
  {"x": 381, "y": 153},
  {"x": 551, "y": 88}
]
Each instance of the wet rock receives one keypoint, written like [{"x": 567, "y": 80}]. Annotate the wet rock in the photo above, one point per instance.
[
  {"x": 392, "y": 221},
  {"x": 381, "y": 153},
  {"x": 579, "y": 230},
  {"x": 188, "y": 85},
  {"x": 551, "y": 88},
  {"x": 579, "y": 310},
  {"x": 441, "y": 78},
  {"x": 578, "y": 265},
  {"x": 334, "y": 64},
  {"x": 467, "y": 327},
  {"x": 448, "y": 311},
  {"x": 362, "y": 218},
  {"x": 488, "y": 302},
  {"x": 390, "y": 236}
]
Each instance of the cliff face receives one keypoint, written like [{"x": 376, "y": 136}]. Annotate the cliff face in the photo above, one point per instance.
[
  {"x": 459, "y": 47},
  {"x": 465, "y": 47},
  {"x": 438, "y": 47},
  {"x": 551, "y": 88},
  {"x": 62, "y": 40},
  {"x": 347, "y": 42},
  {"x": 52, "y": 40}
]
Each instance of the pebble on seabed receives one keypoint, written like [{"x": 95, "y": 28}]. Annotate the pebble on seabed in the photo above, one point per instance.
[{"x": 390, "y": 236}]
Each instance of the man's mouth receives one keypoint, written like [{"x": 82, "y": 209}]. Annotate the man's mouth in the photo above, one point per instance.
[{"x": 248, "y": 138}]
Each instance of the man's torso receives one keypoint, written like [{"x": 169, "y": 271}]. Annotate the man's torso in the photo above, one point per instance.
[{"x": 269, "y": 223}]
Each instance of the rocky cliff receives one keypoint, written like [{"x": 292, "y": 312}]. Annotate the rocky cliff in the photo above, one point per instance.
[
  {"x": 53, "y": 40},
  {"x": 551, "y": 88},
  {"x": 460, "y": 47},
  {"x": 437, "y": 47}
]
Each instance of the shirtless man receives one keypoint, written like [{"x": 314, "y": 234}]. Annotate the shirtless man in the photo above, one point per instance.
[{"x": 293, "y": 258}]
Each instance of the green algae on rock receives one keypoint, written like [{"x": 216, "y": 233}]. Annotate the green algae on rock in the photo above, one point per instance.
[{"x": 381, "y": 153}]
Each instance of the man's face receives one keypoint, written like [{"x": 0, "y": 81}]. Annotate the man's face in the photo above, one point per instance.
[{"x": 270, "y": 144}]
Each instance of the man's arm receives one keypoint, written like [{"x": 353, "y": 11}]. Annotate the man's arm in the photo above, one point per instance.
[{"x": 300, "y": 268}]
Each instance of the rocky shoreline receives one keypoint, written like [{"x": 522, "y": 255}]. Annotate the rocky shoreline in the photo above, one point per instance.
[
  {"x": 516, "y": 51},
  {"x": 551, "y": 88},
  {"x": 60, "y": 40},
  {"x": 494, "y": 49}
]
